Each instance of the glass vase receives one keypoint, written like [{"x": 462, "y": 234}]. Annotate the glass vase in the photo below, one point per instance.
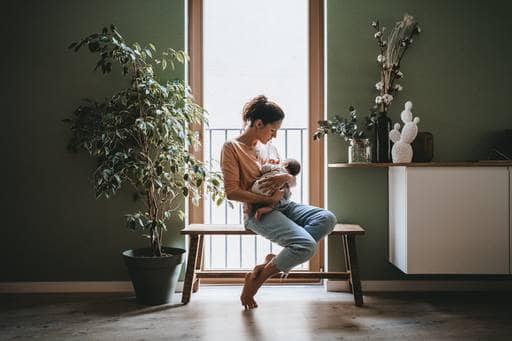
[{"x": 359, "y": 151}]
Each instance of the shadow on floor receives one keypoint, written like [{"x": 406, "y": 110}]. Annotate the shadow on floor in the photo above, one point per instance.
[{"x": 108, "y": 304}]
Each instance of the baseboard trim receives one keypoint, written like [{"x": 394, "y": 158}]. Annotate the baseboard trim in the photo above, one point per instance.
[
  {"x": 330, "y": 285},
  {"x": 70, "y": 287},
  {"x": 423, "y": 285}
]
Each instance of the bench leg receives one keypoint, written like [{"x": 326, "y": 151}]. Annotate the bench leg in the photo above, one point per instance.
[
  {"x": 191, "y": 266},
  {"x": 354, "y": 271},
  {"x": 347, "y": 263},
  {"x": 199, "y": 263}
]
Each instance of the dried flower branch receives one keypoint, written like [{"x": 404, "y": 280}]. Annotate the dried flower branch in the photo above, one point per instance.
[{"x": 391, "y": 52}]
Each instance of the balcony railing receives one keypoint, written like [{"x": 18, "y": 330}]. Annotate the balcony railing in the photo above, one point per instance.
[{"x": 243, "y": 252}]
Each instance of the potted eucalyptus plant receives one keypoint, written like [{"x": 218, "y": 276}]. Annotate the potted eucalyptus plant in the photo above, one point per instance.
[
  {"x": 142, "y": 137},
  {"x": 359, "y": 150}
]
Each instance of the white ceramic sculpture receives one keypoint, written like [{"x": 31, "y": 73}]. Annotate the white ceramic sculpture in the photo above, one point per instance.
[{"x": 402, "y": 150}]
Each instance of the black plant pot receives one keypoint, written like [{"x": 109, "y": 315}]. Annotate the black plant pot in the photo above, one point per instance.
[{"x": 154, "y": 278}]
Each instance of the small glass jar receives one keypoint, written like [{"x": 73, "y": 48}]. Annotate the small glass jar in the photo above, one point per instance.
[{"x": 359, "y": 151}]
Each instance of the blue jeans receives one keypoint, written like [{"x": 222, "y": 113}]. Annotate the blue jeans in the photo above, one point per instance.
[{"x": 295, "y": 227}]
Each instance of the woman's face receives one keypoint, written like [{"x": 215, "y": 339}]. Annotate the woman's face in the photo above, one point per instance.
[{"x": 267, "y": 132}]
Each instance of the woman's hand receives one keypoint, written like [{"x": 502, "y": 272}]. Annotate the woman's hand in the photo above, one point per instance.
[
  {"x": 274, "y": 183},
  {"x": 277, "y": 196}
]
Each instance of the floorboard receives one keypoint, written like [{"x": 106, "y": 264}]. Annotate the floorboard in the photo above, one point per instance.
[{"x": 284, "y": 313}]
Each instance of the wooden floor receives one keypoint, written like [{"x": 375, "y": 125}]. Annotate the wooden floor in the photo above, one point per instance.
[{"x": 285, "y": 313}]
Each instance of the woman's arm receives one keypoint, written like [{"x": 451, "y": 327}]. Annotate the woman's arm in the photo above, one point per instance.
[{"x": 253, "y": 198}]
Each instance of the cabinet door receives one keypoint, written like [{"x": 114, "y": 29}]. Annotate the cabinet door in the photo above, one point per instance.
[{"x": 458, "y": 220}]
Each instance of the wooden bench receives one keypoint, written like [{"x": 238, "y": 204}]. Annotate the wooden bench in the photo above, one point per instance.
[{"x": 195, "y": 271}]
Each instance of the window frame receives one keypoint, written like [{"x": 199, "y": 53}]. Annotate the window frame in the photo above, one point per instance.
[{"x": 195, "y": 214}]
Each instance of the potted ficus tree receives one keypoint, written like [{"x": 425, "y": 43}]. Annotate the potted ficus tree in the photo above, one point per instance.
[{"x": 142, "y": 137}]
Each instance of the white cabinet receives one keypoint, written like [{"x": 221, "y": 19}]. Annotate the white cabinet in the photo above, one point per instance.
[{"x": 450, "y": 220}]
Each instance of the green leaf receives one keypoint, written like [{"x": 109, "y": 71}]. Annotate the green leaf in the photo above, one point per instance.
[
  {"x": 130, "y": 222},
  {"x": 78, "y": 47},
  {"x": 94, "y": 46},
  {"x": 180, "y": 57},
  {"x": 118, "y": 36},
  {"x": 158, "y": 183}
]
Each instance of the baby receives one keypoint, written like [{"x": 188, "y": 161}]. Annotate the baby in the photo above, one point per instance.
[{"x": 290, "y": 166}]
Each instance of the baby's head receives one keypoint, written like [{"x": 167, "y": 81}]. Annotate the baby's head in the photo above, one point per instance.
[{"x": 292, "y": 166}]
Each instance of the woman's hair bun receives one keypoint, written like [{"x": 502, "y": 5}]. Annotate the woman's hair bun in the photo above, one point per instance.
[{"x": 261, "y": 108}]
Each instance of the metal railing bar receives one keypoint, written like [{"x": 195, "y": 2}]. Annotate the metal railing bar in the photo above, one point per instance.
[
  {"x": 226, "y": 251},
  {"x": 241, "y": 245},
  {"x": 302, "y": 165},
  {"x": 255, "y": 250},
  {"x": 210, "y": 165},
  {"x": 211, "y": 252},
  {"x": 286, "y": 144},
  {"x": 225, "y": 202},
  {"x": 211, "y": 206}
]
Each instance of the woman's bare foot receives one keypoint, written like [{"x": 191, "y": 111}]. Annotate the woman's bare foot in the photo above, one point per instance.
[
  {"x": 254, "y": 280},
  {"x": 249, "y": 290},
  {"x": 258, "y": 268}
]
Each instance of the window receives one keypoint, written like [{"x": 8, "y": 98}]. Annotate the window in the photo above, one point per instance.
[{"x": 249, "y": 48}]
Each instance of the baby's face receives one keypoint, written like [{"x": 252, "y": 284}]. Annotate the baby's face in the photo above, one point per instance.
[
  {"x": 292, "y": 166},
  {"x": 285, "y": 166}
]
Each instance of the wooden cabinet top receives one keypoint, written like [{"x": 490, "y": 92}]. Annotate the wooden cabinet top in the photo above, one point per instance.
[{"x": 483, "y": 163}]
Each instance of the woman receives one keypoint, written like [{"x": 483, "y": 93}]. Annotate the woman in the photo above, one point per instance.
[{"x": 295, "y": 227}]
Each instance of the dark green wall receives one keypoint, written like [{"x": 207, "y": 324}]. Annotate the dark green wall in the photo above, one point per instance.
[
  {"x": 53, "y": 228},
  {"x": 457, "y": 74}
]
